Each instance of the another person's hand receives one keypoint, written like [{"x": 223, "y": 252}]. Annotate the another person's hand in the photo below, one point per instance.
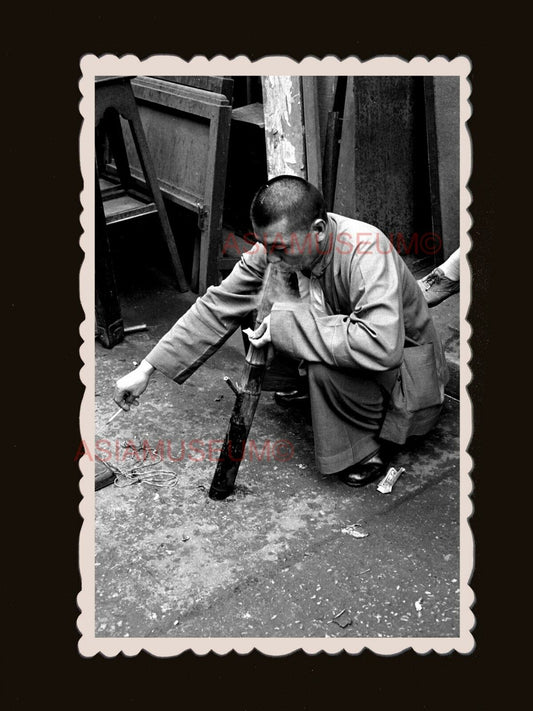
[
  {"x": 261, "y": 336},
  {"x": 129, "y": 388}
]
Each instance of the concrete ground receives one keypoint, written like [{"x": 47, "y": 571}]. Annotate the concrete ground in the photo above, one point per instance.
[{"x": 272, "y": 560}]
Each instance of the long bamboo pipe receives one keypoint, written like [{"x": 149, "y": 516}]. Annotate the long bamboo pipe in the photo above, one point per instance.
[{"x": 248, "y": 393}]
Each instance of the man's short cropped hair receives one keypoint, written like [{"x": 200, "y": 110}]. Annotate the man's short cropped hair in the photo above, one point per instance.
[{"x": 291, "y": 197}]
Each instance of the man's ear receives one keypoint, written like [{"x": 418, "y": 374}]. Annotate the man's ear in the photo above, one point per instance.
[{"x": 319, "y": 227}]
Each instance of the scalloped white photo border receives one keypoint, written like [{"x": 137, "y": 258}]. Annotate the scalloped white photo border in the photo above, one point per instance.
[{"x": 92, "y": 66}]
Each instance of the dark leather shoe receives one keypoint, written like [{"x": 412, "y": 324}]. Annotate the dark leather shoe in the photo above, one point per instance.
[
  {"x": 293, "y": 398},
  {"x": 362, "y": 474}
]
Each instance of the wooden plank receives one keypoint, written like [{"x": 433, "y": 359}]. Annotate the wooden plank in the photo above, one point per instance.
[
  {"x": 331, "y": 157},
  {"x": 111, "y": 192},
  {"x": 432, "y": 158},
  {"x": 218, "y": 85},
  {"x": 312, "y": 131},
  {"x": 284, "y": 136},
  {"x": 103, "y": 476},
  {"x": 178, "y": 98},
  {"x": 326, "y": 89},
  {"x": 446, "y": 90},
  {"x": 251, "y": 113},
  {"x": 336, "y": 100},
  {"x": 111, "y": 124},
  {"x": 126, "y": 207},
  {"x": 344, "y": 202}
]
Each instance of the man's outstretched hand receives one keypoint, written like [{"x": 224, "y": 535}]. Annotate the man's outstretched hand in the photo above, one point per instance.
[{"x": 129, "y": 388}]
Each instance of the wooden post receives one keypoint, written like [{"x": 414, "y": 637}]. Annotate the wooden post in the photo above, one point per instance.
[
  {"x": 285, "y": 146},
  {"x": 313, "y": 150},
  {"x": 109, "y": 323},
  {"x": 284, "y": 134}
]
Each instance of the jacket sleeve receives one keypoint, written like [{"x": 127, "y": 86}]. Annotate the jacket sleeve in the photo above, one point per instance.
[
  {"x": 371, "y": 336},
  {"x": 211, "y": 320}
]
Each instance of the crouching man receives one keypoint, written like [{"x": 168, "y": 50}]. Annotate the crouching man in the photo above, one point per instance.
[{"x": 360, "y": 325}]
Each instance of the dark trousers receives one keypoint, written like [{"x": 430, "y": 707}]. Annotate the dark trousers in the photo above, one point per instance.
[{"x": 347, "y": 409}]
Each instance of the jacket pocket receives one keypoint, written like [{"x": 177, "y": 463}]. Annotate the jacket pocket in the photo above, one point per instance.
[
  {"x": 418, "y": 379},
  {"x": 417, "y": 396}
]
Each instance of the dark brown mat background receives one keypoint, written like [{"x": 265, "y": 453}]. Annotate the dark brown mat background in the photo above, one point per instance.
[{"x": 41, "y": 343}]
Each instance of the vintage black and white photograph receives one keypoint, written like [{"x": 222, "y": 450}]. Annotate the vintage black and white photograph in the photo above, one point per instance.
[{"x": 275, "y": 420}]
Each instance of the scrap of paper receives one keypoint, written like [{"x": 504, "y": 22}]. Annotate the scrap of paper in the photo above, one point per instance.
[{"x": 392, "y": 476}]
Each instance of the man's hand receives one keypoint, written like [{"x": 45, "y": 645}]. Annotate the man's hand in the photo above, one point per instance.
[
  {"x": 129, "y": 388},
  {"x": 261, "y": 336}
]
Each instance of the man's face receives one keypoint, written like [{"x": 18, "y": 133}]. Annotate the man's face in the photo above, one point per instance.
[{"x": 292, "y": 249}]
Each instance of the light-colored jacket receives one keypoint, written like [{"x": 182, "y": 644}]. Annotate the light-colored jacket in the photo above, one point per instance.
[{"x": 377, "y": 319}]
